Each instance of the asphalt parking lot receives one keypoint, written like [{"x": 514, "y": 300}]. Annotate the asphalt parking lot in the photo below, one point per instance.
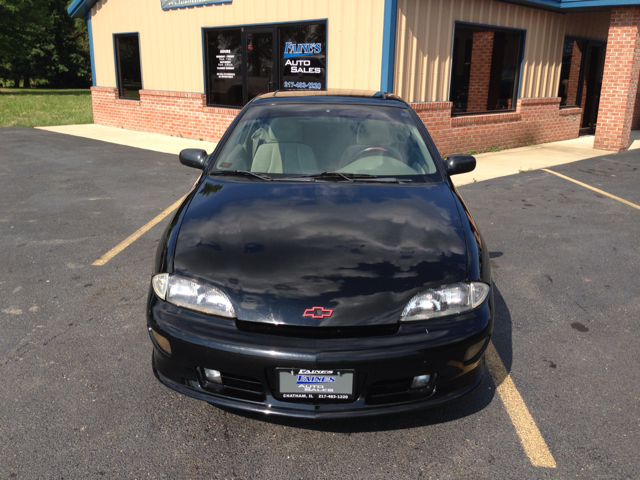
[{"x": 79, "y": 399}]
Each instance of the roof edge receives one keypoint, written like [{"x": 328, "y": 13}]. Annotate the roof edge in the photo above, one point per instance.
[
  {"x": 80, "y": 8},
  {"x": 574, "y": 5}
]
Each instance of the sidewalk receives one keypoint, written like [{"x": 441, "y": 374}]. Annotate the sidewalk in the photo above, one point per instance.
[
  {"x": 518, "y": 160},
  {"x": 489, "y": 165},
  {"x": 132, "y": 138}
]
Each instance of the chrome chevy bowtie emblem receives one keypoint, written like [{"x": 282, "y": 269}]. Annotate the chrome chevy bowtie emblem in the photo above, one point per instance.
[{"x": 317, "y": 312}]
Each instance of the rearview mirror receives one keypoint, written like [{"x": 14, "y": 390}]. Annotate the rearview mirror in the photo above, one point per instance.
[
  {"x": 456, "y": 164},
  {"x": 193, "y": 157}
]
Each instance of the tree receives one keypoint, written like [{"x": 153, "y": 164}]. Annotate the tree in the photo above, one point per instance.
[
  {"x": 21, "y": 28},
  {"x": 38, "y": 39}
]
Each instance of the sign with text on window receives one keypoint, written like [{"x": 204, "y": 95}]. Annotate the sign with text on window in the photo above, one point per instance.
[
  {"x": 303, "y": 62},
  {"x": 166, "y": 4},
  {"x": 225, "y": 66}
]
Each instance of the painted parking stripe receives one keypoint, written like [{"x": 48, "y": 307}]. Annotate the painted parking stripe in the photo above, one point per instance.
[
  {"x": 137, "y": 234},
  {"x": 622, "y": 200},
  {"x": 530, "y": 437}
]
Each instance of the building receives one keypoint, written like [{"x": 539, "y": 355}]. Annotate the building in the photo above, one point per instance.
[{"x": 481, "y": 74}]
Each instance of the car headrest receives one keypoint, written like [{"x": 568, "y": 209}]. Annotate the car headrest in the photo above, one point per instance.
[
  {"x": 373, "y": 132},
  {"x": 285, "y": 130}
]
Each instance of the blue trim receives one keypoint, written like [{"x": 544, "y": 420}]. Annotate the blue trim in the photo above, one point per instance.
[
  {"x": 389, "y": 45},
  {"x": 91, "y": 55},
  {"x": 596, "y": 3},
  {"x": 212, "y": 2}
]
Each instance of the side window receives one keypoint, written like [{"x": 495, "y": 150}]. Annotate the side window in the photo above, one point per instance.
[
  {"x": 485, "y": 68},
  {"x": 128, "y": 71}
]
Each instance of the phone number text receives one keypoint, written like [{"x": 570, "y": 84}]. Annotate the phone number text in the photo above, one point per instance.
[{"x": 303, "y": 85}]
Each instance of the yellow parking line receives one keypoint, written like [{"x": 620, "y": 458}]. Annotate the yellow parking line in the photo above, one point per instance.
[
  {"x": 137, "y": 234},
  {"x": 530, "y": 437},
  {"x": 622, "y": 200}
]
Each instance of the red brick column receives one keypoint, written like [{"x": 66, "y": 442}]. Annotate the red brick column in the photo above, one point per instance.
[
  {"x": 480, "y": 74},
  {"x": 574, "y": 75},
  {"x": 620, "y": 82}
]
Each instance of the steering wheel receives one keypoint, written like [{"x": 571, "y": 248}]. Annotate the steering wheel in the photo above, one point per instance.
[{"x": 377, "y": 150}]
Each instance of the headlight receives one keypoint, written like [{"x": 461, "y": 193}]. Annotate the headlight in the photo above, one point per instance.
[
  {"x": 446, "y": 300},
  {"x": 192, "y": 295}
]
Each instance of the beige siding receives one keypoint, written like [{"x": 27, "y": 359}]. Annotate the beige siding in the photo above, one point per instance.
[
  {"x": 171, "y": 40},
  {"x": 590, "y": 25},
  {"x": 425, "y": 40}
]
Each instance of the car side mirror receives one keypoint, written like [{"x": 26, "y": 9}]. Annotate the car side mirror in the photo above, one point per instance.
[
  {"x": 193, "y": 157},
  {"x": 456, "y": 164}
]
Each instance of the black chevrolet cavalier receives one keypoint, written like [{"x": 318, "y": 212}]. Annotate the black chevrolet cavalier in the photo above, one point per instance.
[{"x": 324, "y": 265}]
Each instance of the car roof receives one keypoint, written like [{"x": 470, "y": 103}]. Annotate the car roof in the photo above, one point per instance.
[{"x": 330, "y": 96}]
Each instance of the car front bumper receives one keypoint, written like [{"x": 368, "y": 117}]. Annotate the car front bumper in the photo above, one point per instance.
[{"x": 384, "y": 364}]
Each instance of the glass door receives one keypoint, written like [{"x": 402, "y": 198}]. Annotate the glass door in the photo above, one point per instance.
[
  {"x": 593, "y": 73},
  {"x": 259, "y": 61}
]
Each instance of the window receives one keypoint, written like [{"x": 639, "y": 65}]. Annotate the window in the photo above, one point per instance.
[
  {"x": 242, "y": 63},
  {"x": 581, "y": 77},
  {"x": 329, "y": 137},
  {"x": 128, "y": 75},
  {"x": 485, "y": 68}
]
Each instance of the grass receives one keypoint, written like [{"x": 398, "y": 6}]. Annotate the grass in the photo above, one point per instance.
[{"x": 35, "y": 107}]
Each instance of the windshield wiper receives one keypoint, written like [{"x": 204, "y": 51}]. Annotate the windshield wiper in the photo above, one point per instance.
[
  {"x": 349, "y": 177},
  {"x": 261, "y": 176}
]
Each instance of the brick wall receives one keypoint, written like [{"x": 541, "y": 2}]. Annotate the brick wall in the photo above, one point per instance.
[
  {"x": 536, "y": 120},
  {"x": 480, "y": 71},
  {"x": 620, "y": 82},
  {"x": 171, "y": 113}
]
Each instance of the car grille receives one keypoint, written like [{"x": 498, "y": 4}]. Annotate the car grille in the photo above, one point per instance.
[
  {"x": 388, "y": 392},
  {"x": 396, "y": 391},
  {"x": 317, "y": 333},
  {"x": 236, "y": 387}
]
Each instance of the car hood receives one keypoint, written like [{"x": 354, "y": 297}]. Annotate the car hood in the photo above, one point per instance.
[{"x": 362, "y": 250}]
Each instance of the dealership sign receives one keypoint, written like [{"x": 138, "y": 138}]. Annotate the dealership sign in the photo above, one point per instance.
[{"x": 166, "y": 4}]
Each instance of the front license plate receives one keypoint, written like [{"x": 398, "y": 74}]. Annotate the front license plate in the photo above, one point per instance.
[{"x": 302, "y": 384}]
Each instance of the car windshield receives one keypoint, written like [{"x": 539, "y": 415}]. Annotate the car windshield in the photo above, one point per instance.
[{"x": 329, "y": 142}]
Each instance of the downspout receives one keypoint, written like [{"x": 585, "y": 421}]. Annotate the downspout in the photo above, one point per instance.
[
  {"x": 93, "y": 64},
  {"x": 389, "y": 45}
]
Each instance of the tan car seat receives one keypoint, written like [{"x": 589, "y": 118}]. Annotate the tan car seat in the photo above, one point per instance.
[{"x": 284, "y": 153}]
